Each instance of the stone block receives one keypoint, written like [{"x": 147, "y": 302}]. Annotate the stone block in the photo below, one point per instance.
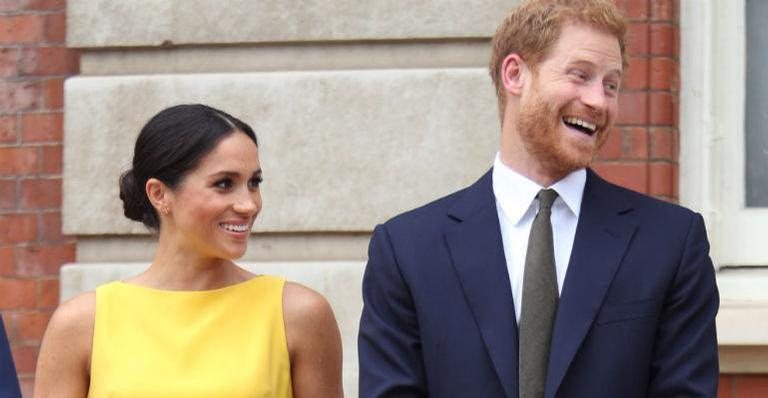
[
  {"x": 341, "y": 150},
  {"x": 91, "y": 23}
]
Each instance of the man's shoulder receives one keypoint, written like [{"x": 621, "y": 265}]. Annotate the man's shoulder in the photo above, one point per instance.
[
  {"x": 438, "y": 212},
  {"x": 647, "y": 205}
]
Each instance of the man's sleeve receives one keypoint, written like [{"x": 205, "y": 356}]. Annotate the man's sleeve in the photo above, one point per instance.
[
  {"x": 685, "y": 355},
  {"x": 9, "y": 384},
  {"x": 389, "y": 345}
]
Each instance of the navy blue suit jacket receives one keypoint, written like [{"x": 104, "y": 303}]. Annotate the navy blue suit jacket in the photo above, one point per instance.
[
  {"x": 636, "y": 316},
  {"x": 9, "y": 383}
]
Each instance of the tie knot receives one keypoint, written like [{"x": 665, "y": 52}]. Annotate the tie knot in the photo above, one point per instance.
[{"x": 546, "y": 198}]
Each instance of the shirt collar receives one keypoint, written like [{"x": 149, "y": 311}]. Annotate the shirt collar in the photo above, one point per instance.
[{"x": 515, "y": 192}]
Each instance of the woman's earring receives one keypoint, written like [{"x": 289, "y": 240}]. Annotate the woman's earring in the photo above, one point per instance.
[{"x": 165, "y": 210}]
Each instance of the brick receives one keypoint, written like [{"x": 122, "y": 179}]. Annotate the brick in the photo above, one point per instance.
[
  {"x": 636, "y": 77},
  {"x": 725, "y": 387},
  {"x": 19, "y": 29},
  {"x": 55, "y": 60},
  {"x": 41, "y": 127},
  {"x": 663, "y": 10},
  {"x": 55, "y": 28},
  {"x": 634, "y": 143},
  {"x": 661, "y": 146},
  {"x": 40, "y": 193},
  {"x": 47, "y": 5},
  {"x": 750, "y": 386},
  {"x": 632, "y": 175},
  {"x": 662, "y": 40},
  {"x": 11, "y": 5},
  {"x": 51, "y": 227},
  {"x": 47, "y": 293},
  {"x": 9, "y": 62},
  {"x": 662, "y": 73},
  {"x": 633, "y": 108},
  {"x": 6, "y": 261},
  {"x": 19, "y": 96},
  {"x": 43, "y": 260},
  {"x": 675, "y": 181},
  {"x": 661, "y": 109},
  {"x": 7, "y": 129},
  {"x": 18, "y": 228},
  {"x": 19, "y": 160},
  {"x": 53, "y": 94},
  {"x": 30, "y": 326},
  {"x": 7, "y": 194},
  {"x": 8, "y": 324},
  {"x": 638, "y": 39},
  {"x": 634, "y": 10},
  {"x": 660, "y": 179},
  {"x": 52, "y": 159},
  {"x": 25, "y": 358},
  {"x": 17, "y": 294},
  {"x": 611, "y": 149}
]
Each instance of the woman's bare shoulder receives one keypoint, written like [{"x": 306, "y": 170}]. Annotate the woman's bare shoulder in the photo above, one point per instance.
[{"x": 303, "y": 303}]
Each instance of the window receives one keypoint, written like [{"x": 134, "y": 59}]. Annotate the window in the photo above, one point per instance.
[{"x": 724, "y": 125}]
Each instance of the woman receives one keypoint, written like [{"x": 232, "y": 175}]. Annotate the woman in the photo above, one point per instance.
[{"x": 194, "y": 323}]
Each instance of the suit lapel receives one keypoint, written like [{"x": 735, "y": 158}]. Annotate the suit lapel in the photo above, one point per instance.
[
  {"x": 477, "y": 252},
  {"x": 603, "y": 234}
]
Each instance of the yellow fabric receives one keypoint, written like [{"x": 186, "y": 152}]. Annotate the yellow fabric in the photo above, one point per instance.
[{"x": 227, "y": 342}]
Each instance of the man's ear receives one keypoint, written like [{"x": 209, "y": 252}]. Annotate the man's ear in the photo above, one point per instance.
[
  {"x": 514, "y": 72},
  {"x": 158, "y": 194}
]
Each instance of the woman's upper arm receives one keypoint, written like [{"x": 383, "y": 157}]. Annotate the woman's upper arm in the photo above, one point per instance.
[
  {"x": 314, "y": 343},
  {"x": 63, "y": 362}
]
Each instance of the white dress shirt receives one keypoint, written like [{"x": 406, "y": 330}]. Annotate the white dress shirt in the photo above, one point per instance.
[{"x": 517, "y": 205}]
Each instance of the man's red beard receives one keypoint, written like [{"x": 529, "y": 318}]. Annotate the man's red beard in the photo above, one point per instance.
[{"x": 539, "y": 124}]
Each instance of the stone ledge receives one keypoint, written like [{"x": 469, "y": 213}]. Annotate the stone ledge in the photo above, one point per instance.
[
  {"x": 91, "y": 23},
  {"x": 338, "y": 281},
  {"x": 742, "y": 323}
]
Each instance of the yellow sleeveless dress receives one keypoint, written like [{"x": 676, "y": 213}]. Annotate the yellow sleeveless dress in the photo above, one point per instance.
[{"x": 227, "y": 342}]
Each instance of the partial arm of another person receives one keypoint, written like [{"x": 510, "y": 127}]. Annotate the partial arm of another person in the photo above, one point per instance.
[
  {"x": 314, "y": 343},
  {"x": 389, "y": 343},
  {"x": 64, "y": 359},
  {"x": 685, "y": 358}
]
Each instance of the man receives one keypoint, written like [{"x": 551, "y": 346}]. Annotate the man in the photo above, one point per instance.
[
  {"x": 542, "y": 279},
  {"x": 9, "y": 384}
]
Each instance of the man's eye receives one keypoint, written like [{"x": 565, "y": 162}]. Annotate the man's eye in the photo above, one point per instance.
[
  {"x": 223, "y": 184},
  {"x": 581, "y": 75},
  {"x": 611, "y": 87}
]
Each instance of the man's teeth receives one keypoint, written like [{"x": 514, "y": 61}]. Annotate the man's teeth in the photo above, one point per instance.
[
  {"x": 581, "y": 123},
  {"x": 235, "y": 227}
]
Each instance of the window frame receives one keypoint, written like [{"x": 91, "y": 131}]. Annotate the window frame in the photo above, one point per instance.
[{"x": 712, "y": 132}]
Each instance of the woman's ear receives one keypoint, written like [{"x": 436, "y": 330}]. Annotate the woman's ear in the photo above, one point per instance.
[
  {"x": 514, "y": 72},
  {"x": 159, "y": 195}
]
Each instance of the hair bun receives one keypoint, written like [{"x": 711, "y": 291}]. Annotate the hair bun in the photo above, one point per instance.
[{"x": 136, "y": 206}]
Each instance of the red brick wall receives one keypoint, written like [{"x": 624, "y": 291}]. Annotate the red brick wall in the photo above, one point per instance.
[
  {"x": 641, "y": 153},
  {"x": 33, "y": 65}
]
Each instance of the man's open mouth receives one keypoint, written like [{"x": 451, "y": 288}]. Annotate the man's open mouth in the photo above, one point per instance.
[{"x": 580, "y": 125}]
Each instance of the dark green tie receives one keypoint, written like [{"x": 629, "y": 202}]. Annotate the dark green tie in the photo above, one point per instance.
[{"x": 539, "y": 303}]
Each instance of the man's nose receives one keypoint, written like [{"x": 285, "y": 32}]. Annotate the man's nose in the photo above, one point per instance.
[{"x": 595, "y": 97}]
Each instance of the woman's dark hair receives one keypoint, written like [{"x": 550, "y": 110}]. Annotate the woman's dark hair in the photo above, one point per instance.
[{"x": 171, "y": 144}]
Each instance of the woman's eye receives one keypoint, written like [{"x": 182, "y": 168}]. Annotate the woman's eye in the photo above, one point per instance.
[
  {"x": 254, "y": 182},
  {"x": 223, "y": 184}
]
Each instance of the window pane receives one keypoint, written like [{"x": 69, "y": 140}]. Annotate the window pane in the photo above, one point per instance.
[{"x": 756, "y": 117}]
